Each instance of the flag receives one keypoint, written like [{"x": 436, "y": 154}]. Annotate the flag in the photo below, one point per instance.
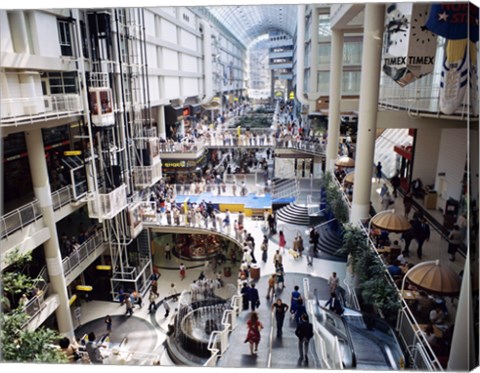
[{"x": 454, "y": 21}]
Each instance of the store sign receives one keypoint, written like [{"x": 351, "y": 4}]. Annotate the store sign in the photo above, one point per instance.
[
  {"x": 175, "y": 164},
  {"x": 409, "y": 49}
]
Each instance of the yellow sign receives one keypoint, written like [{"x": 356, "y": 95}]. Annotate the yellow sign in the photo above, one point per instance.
[
  {"x": 104, "y": 267},
  {"x": 84, "y": 288},
  {"x": 72, "y": 152},
  {"x": 291, "y": 96}
]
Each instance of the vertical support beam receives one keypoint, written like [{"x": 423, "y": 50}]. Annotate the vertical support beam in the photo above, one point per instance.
[
  {"x": 313, "y": 89},
  {"x": 161, "y": 129},
  {"x": 368, "y": 107},
  {"x": 53, "y": 257},
  {"x": 336, "y": 68},
  {"x": 462, "y": 353}
]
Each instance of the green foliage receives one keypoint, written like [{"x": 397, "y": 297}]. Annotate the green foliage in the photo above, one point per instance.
[
  {"x": 335, "y": 202},
  {"x": 20, "y": 345},
  {"x": 374, "y": 286},
  {"x": 381, "y": 293},
  {"x": 17, "y": 343},
  {"x": 354, "y": 246},
  {"x": 16, "y": 283},
  {"x": 17, "y": 261}
]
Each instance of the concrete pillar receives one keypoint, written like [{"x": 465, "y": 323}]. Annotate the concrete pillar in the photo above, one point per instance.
[
  {"x": 19, "y": 32},
  {"x": 462, "y": 353},
  {"x": 161, "y": 129},
  {"x": 336, "y": 68},
  {"x": 368, "y": 106},
  {"x": 313, "y": 91},
  {"x": 53, "y": 257}
]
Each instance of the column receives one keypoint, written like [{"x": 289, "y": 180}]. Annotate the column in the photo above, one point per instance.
[
  {"x": 313, "y": 91},
  {"x": 161, "y": 122},
  {"x": 368, "y": 107},
  {"x": 336, "y": 68},
  {"x": 462, "y": 352},
  {"x": 53, "y": 258}
]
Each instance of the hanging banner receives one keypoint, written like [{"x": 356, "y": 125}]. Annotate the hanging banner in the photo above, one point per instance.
[{"x": 409, "y": 48}]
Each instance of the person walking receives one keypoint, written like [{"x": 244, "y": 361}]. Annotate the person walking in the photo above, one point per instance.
[
  {"x": 151, "y": 298},
  {"x": 264, "y": 249},
  {"x": 173, "y": 293},
  {"x": 310, "y": 252},
  {"x": 253, "y": 297},
  {"x": 108, "y": 323},
  {"x": 272, "y": 280},
  {"x": 421, "y": 231},
  {"x": 254, "y": 327},
  {"x": 300, "y": 310},
  {"x": 168, "y": 252},
  {"x": 282, "y": 242},
  {"x": 378, "y": 171},
  {"x": 333, "y": 282},
  {"x": 407, "y": 237},
  {"x": 407, "y": 203},
  {"x": 128, "y": 306},
  {"x": 280, "y": 310},
  {"x": 304, "y": 333},
  {"x": 455, "y": 239},
  {"x": 294, "y": 298},
  {"x": 166, "y": 306},
  {"x": 183, "y": 271}
]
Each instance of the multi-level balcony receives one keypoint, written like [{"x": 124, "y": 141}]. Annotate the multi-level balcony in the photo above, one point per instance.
[
  {"x": 24, "y": 110},
  {"x": 106, "y": 205}
]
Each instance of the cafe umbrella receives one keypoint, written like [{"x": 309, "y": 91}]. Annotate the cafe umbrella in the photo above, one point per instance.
[
  {"x": 345, "y": 162},
  {"x": 390, "y": 221},
  {"x": 349, "y": 178},
  {"x": 434, "y": 277}
]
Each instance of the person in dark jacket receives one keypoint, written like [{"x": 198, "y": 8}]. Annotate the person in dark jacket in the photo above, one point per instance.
[
  {"x": 244, "y": 292},
  {"x": 280, "y": 309},
  {"x": 333, "y": 304},
  {"x": 421, "y": 231},
  {"x": 253, "y": 297},
  {"x": 304, "y": 333}
]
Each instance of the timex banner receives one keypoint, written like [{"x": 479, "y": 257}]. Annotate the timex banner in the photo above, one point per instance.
[{"x": 409, "y": 48}]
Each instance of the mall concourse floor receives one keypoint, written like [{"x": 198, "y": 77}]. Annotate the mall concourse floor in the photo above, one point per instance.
[{"x": 147, "y": 333}]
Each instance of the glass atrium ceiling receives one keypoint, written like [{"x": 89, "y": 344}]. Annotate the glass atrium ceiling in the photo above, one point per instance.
[{"x": 248, "y": 22}]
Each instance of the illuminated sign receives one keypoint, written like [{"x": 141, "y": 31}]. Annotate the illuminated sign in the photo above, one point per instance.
[{"x": 72, "y": 152}]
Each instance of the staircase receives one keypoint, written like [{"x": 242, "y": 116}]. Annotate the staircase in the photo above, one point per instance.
[
  {"x": 330, "y": 239},
  {"x": 294, "y": 214}
]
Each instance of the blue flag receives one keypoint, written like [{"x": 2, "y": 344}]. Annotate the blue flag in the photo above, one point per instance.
[{"x": 454, "y": 21}]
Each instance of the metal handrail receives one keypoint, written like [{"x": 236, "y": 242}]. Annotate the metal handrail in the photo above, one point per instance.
[
  {"x": 405, "y": 310},
  {"x": 22, "y": 110},
  {"x": 32, "y": 211},
  {"x": 19, "y": 218},
  {"x": 81, "y": 253}
]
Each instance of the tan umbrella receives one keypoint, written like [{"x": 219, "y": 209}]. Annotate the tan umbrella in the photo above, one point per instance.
[
  {"x": 345, "y": 161},
  {"x": 435, "y": 277},
  {"x": 349, "y": 178},
  {"x": 388, "y": 220}
]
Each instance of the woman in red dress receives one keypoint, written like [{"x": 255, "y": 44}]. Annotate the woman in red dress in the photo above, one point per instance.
[
  {"x": 281, "y": 241},
  {"x": 253, "y": 336}
]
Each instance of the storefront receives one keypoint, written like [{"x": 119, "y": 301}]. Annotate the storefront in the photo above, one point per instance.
[
  {"x": 181, "y": 170},
  {"x": 174, "y": 116}
]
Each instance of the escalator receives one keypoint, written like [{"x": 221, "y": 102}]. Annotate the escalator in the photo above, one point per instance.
[{"x": 366, "y": 342}]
